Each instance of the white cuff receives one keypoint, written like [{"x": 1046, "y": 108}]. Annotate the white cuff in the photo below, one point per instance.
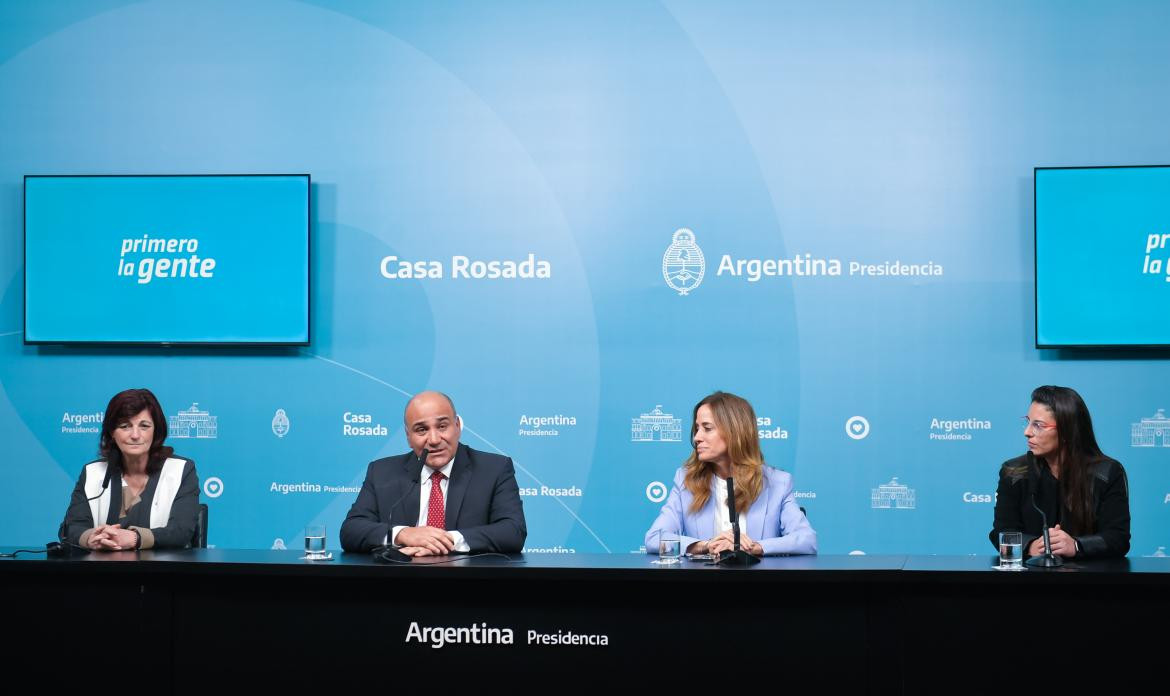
[{"x": 460, "y": 543}]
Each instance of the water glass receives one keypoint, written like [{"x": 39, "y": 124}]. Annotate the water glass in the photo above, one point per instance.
[
  {"x": 669, "y": 548},
  {"x": 315, "y": 542},
  {"x": 1011, "y": 551}
]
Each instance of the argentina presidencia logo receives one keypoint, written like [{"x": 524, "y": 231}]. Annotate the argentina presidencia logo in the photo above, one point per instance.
[{"x": 683, "y": 265}]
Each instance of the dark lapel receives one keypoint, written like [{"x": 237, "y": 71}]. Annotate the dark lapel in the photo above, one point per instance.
[
  {"x": 1033, "y": 519},
  {"x": 1034, "y": 473},
  {"x": 112, "y": 515},
  {"x": 461, "y": 474},
  {"x": 406, "y": 509}
]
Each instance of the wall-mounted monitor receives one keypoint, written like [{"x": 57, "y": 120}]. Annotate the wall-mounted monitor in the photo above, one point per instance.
[
  {"x": 1102, "y": 256},
  {"x": 176, "y": 259}
]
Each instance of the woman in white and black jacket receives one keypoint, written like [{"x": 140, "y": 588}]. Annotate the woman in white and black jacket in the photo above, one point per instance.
[
  {"x": 1084, "y": 493},
  {"x": 138, "y": 495}
]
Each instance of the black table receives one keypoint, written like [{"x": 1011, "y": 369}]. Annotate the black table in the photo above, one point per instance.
[{"x": 879, "y": 624}]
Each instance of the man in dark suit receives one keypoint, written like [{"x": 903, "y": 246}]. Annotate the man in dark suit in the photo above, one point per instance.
[{"x": 439, "y": 498}]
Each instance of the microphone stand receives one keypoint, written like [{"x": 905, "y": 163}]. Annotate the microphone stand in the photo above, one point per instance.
[
  {"x": 736, "y": 556},
  {"x": 1049, "y": 559}
]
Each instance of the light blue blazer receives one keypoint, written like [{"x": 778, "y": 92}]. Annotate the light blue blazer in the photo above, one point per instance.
[{"x": 774, "y": 520}]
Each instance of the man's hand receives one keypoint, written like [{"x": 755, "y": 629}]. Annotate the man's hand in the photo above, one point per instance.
[{"x": 431, "y": 539}]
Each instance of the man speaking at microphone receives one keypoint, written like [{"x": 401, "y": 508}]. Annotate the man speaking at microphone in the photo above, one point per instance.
[{"x": 441, "y": 497}]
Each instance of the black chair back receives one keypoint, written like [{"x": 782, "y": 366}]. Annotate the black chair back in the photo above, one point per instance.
[{"x": 199, "y": 541}]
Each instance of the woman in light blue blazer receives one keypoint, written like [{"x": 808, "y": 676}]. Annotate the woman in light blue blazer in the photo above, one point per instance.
[{"x": 726, "y": 444}]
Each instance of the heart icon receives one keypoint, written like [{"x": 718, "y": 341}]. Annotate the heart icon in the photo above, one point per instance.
[
  {"x": 857, "y": 427},
  {"x": 213, "y": 487}
]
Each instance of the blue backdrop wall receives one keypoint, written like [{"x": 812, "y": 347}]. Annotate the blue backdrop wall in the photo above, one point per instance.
[{"x": 856, "y": 176}]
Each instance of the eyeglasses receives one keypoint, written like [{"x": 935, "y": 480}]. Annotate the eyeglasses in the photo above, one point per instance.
[{"x": 1037, "y": 425}]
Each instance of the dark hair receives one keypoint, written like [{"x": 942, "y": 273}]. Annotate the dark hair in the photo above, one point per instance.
[
  {"x": 1077, "y": 452},
  {"x": 124, "y": 406}
]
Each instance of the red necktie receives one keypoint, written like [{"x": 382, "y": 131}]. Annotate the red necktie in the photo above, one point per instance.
[{"x": 435, "y": 515}]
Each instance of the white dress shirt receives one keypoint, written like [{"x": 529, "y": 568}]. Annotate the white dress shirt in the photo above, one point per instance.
[
  {"x": 424, "y": 500},
  {"x": 723, "y": 516}
]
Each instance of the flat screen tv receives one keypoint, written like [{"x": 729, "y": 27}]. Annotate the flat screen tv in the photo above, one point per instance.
[
  {"x": 1102, "y": 256},
  {"x": 175, "y": 259}
]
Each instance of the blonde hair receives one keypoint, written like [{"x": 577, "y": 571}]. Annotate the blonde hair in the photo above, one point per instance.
[{"x": 736, "y": 422}]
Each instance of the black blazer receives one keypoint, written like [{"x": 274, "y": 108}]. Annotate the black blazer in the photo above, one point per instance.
[
  {"x": 178, "y": 532},
  {"x": 1019, "y": 477},
  {"x": 483, "y": 502}
]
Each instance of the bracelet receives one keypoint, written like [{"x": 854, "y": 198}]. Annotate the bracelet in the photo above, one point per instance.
[{"x": 137, "y": 539}]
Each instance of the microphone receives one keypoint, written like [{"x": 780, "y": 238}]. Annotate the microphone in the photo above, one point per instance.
[
  {"x": 732, "y": 511},
  {"x": 388, "y": 553},
  {"x": 736, "y": 556},
  {"x": 106, "y": 483},
  {"x": 1048, "y": 560},
  {"x": 64, "y": 548},
  {"x": 422, "y": 458},
  {"x": 61, "y": 530}
]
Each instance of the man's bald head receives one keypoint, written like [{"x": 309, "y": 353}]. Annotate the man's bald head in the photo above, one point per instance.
[
  {"x": 431, "y": 424},
  {"x": 428, "y": 396}
]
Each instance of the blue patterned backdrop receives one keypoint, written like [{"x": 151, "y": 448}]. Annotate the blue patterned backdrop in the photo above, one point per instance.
[{"x": 857, "y": 178}]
